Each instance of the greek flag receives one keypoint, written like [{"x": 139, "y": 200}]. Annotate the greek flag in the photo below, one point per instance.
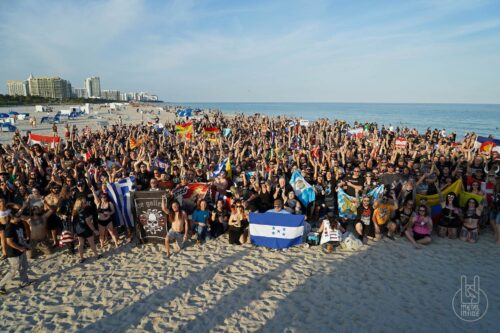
[
  {"x": 120, "y": 196},
  {"x": 275, "y": 230},
  {"x": 304, "y": 192}
]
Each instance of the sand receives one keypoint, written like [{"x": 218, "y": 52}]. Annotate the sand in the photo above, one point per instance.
[
  {"x": 385, "y": 287},
  {"x": 129, "y": 115}
]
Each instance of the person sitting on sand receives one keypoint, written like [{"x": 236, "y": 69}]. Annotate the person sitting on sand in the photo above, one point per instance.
[
  {"x": 200, "y": 219},
  {"x": 419, "y": 229},
  {"x": 179, "y": 222},
  {"x": 330, "y": 232},
  {"x": 382, "y": 214}
]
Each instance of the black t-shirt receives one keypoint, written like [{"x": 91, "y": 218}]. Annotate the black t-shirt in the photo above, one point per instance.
[
  {"x": 16, "y": 232},
  {"x": 365, "y": 215},
  {"x": 360, "y": 181}
]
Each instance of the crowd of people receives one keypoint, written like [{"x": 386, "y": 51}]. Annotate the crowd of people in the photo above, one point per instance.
[{"x": 53, "y": 196}]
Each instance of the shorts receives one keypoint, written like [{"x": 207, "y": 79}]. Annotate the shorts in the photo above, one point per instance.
[
  {"x": 54, "y": 222},
  {"x": 177, "y": 236},
  {"x": 495, "y": 216},
  {"x": 383, "y": 228},
  {"x": 417, "y": 236},
  {"x": 368, "y": 230},
  {"x": 41, "y": 245}
]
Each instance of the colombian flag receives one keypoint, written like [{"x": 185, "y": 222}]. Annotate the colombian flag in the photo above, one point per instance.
[
  {"x": 434, "y": 200},
  {"x": 185, "y": 129}
]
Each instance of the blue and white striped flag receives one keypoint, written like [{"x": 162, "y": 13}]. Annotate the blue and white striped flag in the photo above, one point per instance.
[
  {"x": 276, "y": 230},
  {"x": 304, "y": 192},
  {"x": 219, "y": 168},
  {"x": 161, "y": 165},
  {"x": 120, "y": 196}
]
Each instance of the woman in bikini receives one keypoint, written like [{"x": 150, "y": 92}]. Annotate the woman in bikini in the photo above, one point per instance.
[
  {"x": 472, "y": 217},
  {"x": 237, "y": 223},
  {"x": 4, "y": 219},
  {"x": 419, "y": 229},
  {"x": 105, "y": 211},
  {"x": 451, "y": 215}
]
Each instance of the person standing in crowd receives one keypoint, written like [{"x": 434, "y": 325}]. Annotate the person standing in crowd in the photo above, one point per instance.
[
  {"x": 449, "y": 223},
  {"x": 180, "y": 225},
  {"x": 105, "y": 212},
  {"x": 238, "y": 221},
  {"x": 16, "y": 234},
  {"x": 84, "y": 227}
]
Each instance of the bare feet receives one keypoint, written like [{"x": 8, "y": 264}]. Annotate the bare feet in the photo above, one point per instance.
[{"x": 418, "y": 246}]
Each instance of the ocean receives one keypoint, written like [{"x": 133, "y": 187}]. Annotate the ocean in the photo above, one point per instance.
[{"x": 483, "y": 119}]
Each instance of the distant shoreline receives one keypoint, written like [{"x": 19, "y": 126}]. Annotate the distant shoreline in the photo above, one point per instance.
[{"x": 11, "y": 101}]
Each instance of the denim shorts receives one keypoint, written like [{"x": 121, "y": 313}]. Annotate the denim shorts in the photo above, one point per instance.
[{"x": 495, "y": 216}]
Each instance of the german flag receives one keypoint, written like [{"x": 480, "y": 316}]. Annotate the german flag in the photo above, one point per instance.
[{"x": 210, "y": 130}]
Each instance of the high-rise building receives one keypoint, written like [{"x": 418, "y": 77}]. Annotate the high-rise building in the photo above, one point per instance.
[
  {"x": 17, "y": 88},
  {"x": 93, "y": 86},
  {"x": 111, "y": 95},
  {"x": 51, "y": 87},
  {"x": 80, "y": 93}
]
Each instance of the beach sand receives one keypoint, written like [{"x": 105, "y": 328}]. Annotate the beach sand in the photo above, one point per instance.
[
  {"x": 129, "y": 115},
  {"x": 386, "y": 286}
]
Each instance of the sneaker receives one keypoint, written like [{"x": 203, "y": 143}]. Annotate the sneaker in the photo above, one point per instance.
[
  {"x": 25, "y": 284},
  {"x": 3, "y": 291},
  {"x": 391, "y": 237}
]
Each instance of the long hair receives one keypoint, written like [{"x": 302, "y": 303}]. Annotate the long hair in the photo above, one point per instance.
[{"x": 79, "y": 203}]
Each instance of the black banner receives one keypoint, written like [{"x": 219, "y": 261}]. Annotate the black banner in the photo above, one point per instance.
[{"x": 152, "y": 222}]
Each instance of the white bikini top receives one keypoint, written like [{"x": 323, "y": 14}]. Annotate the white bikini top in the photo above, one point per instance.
[{"x": 4, "y": 213}]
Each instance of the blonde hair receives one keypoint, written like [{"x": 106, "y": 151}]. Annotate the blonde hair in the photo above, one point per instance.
[{"x": 79, "y": 203}]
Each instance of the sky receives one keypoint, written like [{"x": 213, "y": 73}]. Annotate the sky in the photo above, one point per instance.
[{"x": 423, "y": 51}]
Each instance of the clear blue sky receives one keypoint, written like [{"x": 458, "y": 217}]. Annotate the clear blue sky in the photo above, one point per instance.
[{"x": 262, "y": 51}]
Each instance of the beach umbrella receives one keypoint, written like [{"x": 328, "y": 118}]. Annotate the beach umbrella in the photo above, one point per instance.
[
  {"x": 14, "y": 113},
  {"x": 4, "y": 115}
]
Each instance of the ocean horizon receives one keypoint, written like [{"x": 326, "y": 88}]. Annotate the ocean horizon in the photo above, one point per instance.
[{"x": 483, "y": 119}]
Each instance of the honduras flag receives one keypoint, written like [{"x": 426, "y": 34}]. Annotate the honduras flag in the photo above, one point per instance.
[
  {"x": 275, "y": 230},
  {"x": 304, "y": 192},
  {"x": 120, "y": 196}
]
